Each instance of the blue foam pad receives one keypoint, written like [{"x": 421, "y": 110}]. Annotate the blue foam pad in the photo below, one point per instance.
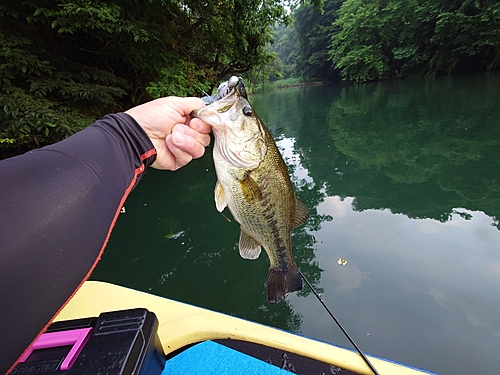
[{"x": 209, "y": 357}]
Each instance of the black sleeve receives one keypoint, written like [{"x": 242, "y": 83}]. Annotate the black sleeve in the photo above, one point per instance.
[{"x": 58, "y": 205}]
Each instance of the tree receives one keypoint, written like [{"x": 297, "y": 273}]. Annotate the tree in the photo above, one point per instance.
[
  {"x": 285, "y": 48},
  {"x": 314, "y": 29},
  {"x": 66, "y": 62},
  {"x": 376, "y": 39},
  {"x": 395, "y": 38},
  {"x": 467, "y": 37}
]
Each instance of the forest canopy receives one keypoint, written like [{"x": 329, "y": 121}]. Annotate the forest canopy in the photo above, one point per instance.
[
  {"x": 64, "y": 63},
  {"x": 367, "y": 40}
]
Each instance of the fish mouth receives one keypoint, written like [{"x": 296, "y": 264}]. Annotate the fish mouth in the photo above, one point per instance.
[{"x": 211, "y": 114}]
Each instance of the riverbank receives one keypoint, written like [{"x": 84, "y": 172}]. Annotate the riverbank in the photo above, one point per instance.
[
  {"x": 282, "y": 84},
  {"x": 286, "y": 84}
]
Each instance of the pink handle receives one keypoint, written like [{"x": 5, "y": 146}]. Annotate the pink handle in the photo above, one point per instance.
[{"x": 76, "y": 337}]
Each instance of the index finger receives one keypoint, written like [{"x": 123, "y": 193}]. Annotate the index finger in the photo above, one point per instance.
[{"x": 185, "y": 106}]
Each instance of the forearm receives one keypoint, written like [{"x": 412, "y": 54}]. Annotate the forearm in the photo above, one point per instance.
[{"x": 58, "y": 205}]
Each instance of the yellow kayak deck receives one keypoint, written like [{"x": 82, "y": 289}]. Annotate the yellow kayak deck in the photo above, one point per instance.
[{"x": 181, "y": 324}]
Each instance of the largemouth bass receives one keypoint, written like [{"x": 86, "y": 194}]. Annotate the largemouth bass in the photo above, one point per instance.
[{"x": 253, "y": 182}]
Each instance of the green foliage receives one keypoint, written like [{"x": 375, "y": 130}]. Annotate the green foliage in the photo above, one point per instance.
[
  {"x": 64, "y": 63},
  {"x": 28, "y": 120},
  {"x": 284, "y": 47},
  {"x": 467, "y": 38},
  {"x": 185, "y": 79},
  {"x": 314, "y": 29},
  {"x": 369, "y": 40},
  {"x": 35, "y": 99},
  {"x": 302, "y": 48},
  {"x": 375, "y": 39},
  {"x": 53, "y": 83},
  {"x": 396, "y": 38},
  {"x": 230, "y": 37}
]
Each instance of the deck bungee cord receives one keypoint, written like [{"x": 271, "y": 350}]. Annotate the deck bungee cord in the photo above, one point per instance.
[{"x": 318, "y": 296}]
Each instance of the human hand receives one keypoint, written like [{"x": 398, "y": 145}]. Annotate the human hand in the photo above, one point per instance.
[{"x": 177, "y": 137}]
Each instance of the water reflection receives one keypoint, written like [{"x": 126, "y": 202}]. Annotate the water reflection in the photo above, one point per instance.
[
  {"x": 401, "y": 180},
  {"x": 423, "y": 290},
  {"x": 413, "y": 148}
]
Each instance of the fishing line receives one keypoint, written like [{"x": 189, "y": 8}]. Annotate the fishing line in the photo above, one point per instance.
[{"x": 318, "y": 296}]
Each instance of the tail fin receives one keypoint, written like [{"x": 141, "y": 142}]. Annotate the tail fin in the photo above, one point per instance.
[{"x": 281, "y": 282}]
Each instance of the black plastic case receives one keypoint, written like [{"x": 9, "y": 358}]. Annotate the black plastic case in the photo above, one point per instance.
[{"x": 121, "y": 343}]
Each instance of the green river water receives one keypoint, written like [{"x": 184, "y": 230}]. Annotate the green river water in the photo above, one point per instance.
[{"x": 402, "y": 180}]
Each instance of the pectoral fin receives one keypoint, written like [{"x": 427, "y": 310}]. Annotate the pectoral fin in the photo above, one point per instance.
[
  {"x": 249, "y": 248},
  {"x": 250, "y": 189},
  {"x": 220, "y": 197},
  {"x": 301, "y": 213}
]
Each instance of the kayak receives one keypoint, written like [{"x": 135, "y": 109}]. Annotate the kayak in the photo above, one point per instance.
[{"x": 199, "y": 341}]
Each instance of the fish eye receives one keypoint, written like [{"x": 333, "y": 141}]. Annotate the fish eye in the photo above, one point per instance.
[{"x": 247, "y": 111}]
